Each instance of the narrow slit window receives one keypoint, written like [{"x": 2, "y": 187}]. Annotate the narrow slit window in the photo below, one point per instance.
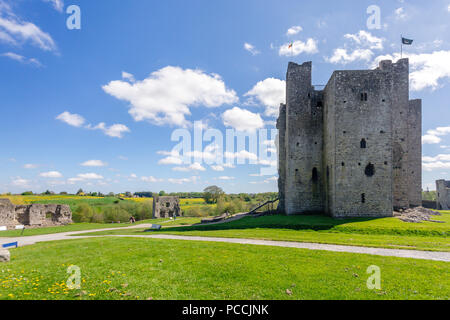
[
  {"x": 363, "y": 144},
  {"x": 315, "y": 175},
  {"x": 363, "y": 198}
]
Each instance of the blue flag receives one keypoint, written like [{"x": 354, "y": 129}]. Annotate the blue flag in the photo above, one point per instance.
[{"x": 407, "y": 41}]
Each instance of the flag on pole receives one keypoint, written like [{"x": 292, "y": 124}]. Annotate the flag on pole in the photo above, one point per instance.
[{"x": 407, "y": 41}]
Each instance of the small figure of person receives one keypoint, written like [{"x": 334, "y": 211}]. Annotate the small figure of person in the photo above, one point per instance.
[{"x": 132, "y": 219}]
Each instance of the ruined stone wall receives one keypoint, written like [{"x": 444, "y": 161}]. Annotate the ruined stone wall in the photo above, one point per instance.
[
  {"x": 166, "y": 207},
  {"x": 303, "y": 143},
  {"x": 415, "y": 153},
  {"x": 34, "y": 215},
  {"x": 443, "y": 195},
  {"x": 281, "y": 149},
  {"x": 360, "y": 148}
]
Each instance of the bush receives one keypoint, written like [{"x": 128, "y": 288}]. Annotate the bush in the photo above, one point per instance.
[{"x": 83, "y": 213}]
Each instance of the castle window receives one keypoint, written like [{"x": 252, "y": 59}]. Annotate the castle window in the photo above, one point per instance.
[
  {"x": 363, "y": 198},
  {"x": 370, "y": 170},
  {"x": 328, "y": 171},
  {"x": 319, "y": 104},
  {"x": 363, "y": 96},
  {"x": 385, "y": 162},
  {"x": 343, "y": 164},
  {"x": 363, "y": 144},
  {"x": 315, "y": 175}
]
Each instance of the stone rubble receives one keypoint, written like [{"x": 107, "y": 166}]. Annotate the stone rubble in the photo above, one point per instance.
[{"x": 417, "y": 215}]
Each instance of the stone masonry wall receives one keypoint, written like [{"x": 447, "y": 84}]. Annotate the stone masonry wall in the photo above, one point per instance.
[
  {"x": 415, "y": 153},
  {"x": 443, "y": 195}
]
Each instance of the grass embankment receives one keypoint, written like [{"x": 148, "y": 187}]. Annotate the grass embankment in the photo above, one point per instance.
[
  {"x": 384, "y": 232},
  {"x": 126, "y": 268}
]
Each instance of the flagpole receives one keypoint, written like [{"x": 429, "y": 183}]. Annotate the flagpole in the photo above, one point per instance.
[{"x": 401, "y": 46}]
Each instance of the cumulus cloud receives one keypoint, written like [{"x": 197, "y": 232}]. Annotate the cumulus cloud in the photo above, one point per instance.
[
  {"x": 441, "y": 161},
  {"x": 218, "y": 168},
  {"x": 84, "y": 177},
  {"x": 226, "y": 178},
  {"x": 15, "y": 31},
  {"x": 241, "y": 155},
  {"x": 294, "y": 30},
  {"x": 360, "y": 47},
  {"x": 427, "y": 70},
  {"x": 400, "y": 14},
  {"x": 128, "y": 76},
  {"x": 72, "y": 119},
  {"x": 433, "y": 136},
  {"x": 22, "y": 59},
  {"x": 167, "y": 94},
  {"x": 51, "y": 174},
  {"x": 269, "y": 92},
  {"x": 242, "y": 120},
  {"x": 94, "y": 163},
  {"x": 299, "y": 47},
  {"x": 251, "y": 48}
]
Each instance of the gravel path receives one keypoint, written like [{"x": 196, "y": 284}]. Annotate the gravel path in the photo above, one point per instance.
[{"x": 415, "y": 254}]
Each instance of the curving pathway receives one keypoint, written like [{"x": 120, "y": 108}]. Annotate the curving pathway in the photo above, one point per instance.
[{"x": 415, "y": 254}]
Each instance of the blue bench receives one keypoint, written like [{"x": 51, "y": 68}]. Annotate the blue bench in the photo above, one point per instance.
[{"x": 9, "y": 245}]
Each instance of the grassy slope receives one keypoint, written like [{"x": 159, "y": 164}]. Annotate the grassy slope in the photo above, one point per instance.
[
  {"x": 386, "y": 232},
  {"x": 162, "y": 269}
]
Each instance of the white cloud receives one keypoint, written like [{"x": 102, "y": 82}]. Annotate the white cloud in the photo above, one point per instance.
[
  {"x": 433, "y": 136},
  {"x": 74, "y": 120},
  {"x": 57, "y": 4},
  {"x": 114, "y": 131},
  {"x": 242, "y": 120},
  {"x": 251, "y": 48},
  {"x": 400, "y": 13},
  {"x": 448, "y": 8},
  {"x": 360, "y": 48},
  {"x": 166, "y": 95},
  {"x": 218, "y": 168},
  {"x": 128, "y": 76},
  {"x": 226, "y": 178},
  {"x": 441, "y": 161},
  {"x": 20, "y": 182},
  {"x": 90, "y": 176},
  {"x": 15, "y": 31},
  {"x": 271, "y": 93},
  {"x": 51, "y": 174},
  {"x": 193, "y": 179},
  {"x": 294, "y": 30},
  {"x": 193, "y": 167},
  {"x": 30, "y": 166},
  {"x": 171, "y": 160},
  {"x": 241, "y": 155},
  {"x": 151, "y": 179},
  {"x": 94, "y": 163},
  {"x": 427, "y": 69},
  {"x": 298, "y": 47},
  {"x": 22, "y": 59}
]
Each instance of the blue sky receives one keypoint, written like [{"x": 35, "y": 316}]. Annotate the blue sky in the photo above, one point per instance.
[{"x": 95, "y": 108}]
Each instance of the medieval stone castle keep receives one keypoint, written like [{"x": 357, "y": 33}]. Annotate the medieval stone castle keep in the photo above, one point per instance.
[{"x": 353, "y": 148}]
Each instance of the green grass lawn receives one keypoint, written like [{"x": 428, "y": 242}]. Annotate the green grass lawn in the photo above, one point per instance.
[
  {"x": 129, "y": 268},
  {"x": 93, "y": 226},
  {"x": 385, "y": 232}
]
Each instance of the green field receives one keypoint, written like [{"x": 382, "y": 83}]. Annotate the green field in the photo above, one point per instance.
[
  {"x": 384, "y": 232},
  {"x": 113, "y": 268}
]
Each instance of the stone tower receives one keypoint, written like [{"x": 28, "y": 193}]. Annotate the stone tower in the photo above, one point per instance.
[{"x": 353, "y": 148}]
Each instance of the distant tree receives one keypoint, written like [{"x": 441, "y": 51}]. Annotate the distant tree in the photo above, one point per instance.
[
  {"x": 48, "y": 192},
  {"x": 212, "y": 194},
  {"x": 144, "y": 194},
  {"x": 80, "y": 192},
  {"x": 128, "y": 194},
  {"x": 27, "y": 193},
  {"x": 63, "y": 193},
  {"x": 111, "y": 194},
  {"x": 162, "y": 193}
]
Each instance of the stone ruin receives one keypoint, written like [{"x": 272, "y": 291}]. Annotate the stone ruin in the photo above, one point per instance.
[
  {"x": 33, "y": 215},
  {"x": 166, "y": 207},
  {"x": 442, "y": 195}
]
